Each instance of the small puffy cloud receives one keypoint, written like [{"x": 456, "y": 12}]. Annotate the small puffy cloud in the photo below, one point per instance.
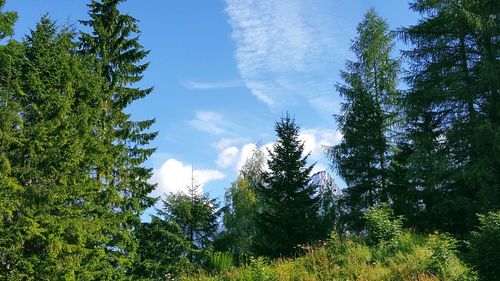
[
  {"x": 245, "y": 153},
  {"x": 235, "y": 152},
  {"x": 231, "y": 155},
  {"x": 175, "y": 176},
  {"x": 228, "y": 157},
  {"x": 208, "y": 121},
  {"x": 315, "y": 140}
]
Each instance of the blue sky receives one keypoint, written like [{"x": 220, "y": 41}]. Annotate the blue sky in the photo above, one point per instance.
[{"x": 224, "y": 71}]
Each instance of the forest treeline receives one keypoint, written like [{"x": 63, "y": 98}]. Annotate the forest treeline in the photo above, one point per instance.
[{"x": 420, "y": 156}]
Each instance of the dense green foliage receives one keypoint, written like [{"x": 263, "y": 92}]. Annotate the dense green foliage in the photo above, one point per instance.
[
  {"x": 288, "y": 200},
  {"x": 382, "y": 226},
  {"x": 197, "y": 216},
  {"x": 163, "y": 250},
  {"x": 422, "y": 165},
  {"x": 119, "y": 142},
  {"x": 240, "y": 210},
  {"x": 452, "y": 115},
  {"x": 408, "y": 257},
  {"x": 72, "y": 186},
  {"x": 363, "y": 156},
  {"x": 484, "y": 247},
  {"x": 239, "y": 220}
]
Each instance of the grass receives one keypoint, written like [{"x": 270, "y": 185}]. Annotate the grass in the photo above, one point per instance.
[{"x": 408, "y": 257}]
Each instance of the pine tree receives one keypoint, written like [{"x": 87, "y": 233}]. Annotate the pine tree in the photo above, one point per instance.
[
  {"x": 288, "y": 205},
  {"x": 452, "y": 112},
  {"x": 54, "y": 232},
  {"x": 363, "y": 156},
  {"x": 120, "y": 143},
  {"x": 197, "y": 215},
  {"x": 163, "y": 250}
]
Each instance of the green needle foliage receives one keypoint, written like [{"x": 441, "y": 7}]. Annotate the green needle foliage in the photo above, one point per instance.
[
  {"x": 52, "y": 230},
  {"x": 120, "y": 142},
  {"x": 73, "y": 181},
  {"x": 452, "y": 113},
  {"x": 363, "y": 157},
  {"x": 484, "y": 248},
  {"x": 288, "y": 214},
  {"x": 163, "y": 250},
  {"x": 197, "y": 216},
  {"x": 7, "y": 21},
  {"x": 72, "y": 184}
]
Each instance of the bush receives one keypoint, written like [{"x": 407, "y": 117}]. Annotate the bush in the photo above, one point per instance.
[
  {"x": 261, "y": 271},
  {"x": 444, "y": 262},
  {"x": 408, "y": 257},
  {"x": 382, "y": 225},
  {"x": 221, "y": 261},
  {"x": 484, "y": 246}
]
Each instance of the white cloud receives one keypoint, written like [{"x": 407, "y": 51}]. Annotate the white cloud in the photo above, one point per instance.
[
  {"x": 193, "y": 85},
  {"x": 245, "y": 153},
  {"x": 175, "y": 176},
  {"x": 233, "y": 152},
  {"x": 208, "y": 121},
  {"x": 227, "y": 142},
  {"x": 315, "y": 140},
  {"x": 228, "y": 157},
  {"x": 286, "y": 49}
]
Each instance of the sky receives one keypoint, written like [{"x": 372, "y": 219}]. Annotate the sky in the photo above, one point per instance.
[{"x": 224, "y": 71}]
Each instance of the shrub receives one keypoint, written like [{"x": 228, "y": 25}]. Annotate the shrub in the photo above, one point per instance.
[
  {"x": 382, "y": 225},
  {"x": 261, "y": 271},
  {"x": 221, "y": 261},
  {"x": 409, "y": 257},
  {"x": 484, "y": 246},
  {"x": 444, "y": 262}
]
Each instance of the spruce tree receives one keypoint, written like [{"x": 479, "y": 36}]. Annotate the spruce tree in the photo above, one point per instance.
[
  {"x": 197, "y": 216},
  {"x": 288, "y": 206},
  {"x": 452, "y": 112},
  {"x": 363, "y": 157},
  {"x": 54, "y": 231},
  {"x": 120, "y": 143},
  {"x": 163, "y": 250}
]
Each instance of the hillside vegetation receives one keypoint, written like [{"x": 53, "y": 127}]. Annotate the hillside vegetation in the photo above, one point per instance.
[
  {"x": 387, "y": 253},
  {"x": 419, "y": 156}
]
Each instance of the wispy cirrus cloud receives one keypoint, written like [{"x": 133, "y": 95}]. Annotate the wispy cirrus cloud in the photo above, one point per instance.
[
  {"x": 286, "y": 49},
  {"x": 209, "y": 85},
  {"x": 208, "y": 121}
]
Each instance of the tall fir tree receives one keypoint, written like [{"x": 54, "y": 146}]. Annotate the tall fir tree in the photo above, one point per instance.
[
  {"x": 364, "y": 155},
  {"x": 121, "y": 144},
  {"x": 288, "y": 207},
  {"x": 452, "y": 113},
  {"x": 54, "y": 232}
]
